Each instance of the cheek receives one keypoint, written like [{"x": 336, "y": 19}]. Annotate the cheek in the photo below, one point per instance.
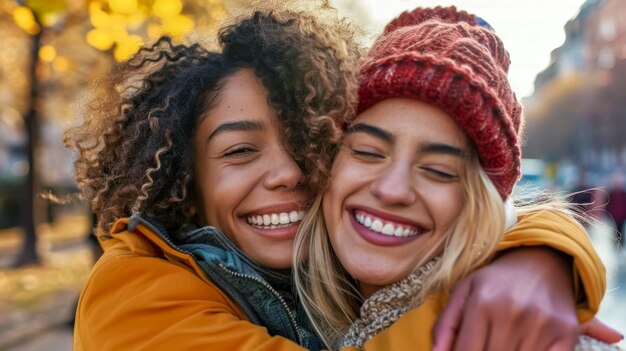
[
  {"x": 221, "y": 190},
  {"x": 333, "y": 193},
  {"x": 345, "y": 180},
  {"x": 347, "y": 175},
  {"x": 450, "y": 204},
  {"x": 331, "y": 209},
  {"x": 206, "y": 188}
]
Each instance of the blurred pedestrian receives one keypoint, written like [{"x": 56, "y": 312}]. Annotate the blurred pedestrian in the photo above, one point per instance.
[{"x": 616, "y": 206}]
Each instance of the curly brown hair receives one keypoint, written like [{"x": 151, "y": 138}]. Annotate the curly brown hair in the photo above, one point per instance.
[{"x": 135, "y": 145}]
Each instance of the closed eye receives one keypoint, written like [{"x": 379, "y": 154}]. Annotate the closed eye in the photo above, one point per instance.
[
  {"x": 440, "y": 174},
  {"x": 239, "y": 151},
  {"x": 367, "y": 154}
]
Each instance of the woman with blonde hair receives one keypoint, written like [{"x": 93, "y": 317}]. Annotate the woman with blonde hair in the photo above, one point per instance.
[{"x": 419, "y": 197}]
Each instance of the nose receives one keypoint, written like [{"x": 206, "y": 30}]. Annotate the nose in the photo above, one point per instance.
[
  {"x": 283, "y": 172},
  {"x": 394, "y": 186}
]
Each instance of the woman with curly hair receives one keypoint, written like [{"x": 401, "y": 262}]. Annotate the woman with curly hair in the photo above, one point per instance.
[
  {"x": 418, "y": 200},
  {"x": 183, "y": 138}
]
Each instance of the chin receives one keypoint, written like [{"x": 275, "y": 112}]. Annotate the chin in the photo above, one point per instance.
[
  {"x": 275, "y": 262},
  {"x": 281, "y": 264},
  {"x": 376, "y": 272}
]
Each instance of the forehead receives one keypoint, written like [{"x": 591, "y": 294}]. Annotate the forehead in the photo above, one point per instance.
[
  {"x": 243, "y": 90},
  {"x": 413, "y": 120},
  {"x": 242, "y": 96}
]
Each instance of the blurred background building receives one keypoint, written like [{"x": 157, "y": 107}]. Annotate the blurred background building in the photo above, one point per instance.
[{"x": 576, "y": 117}]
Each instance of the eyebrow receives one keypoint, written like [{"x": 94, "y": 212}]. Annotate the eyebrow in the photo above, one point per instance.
[
  {"x": 386, "y": 136},
  {"x": 442, "y": 149},
  {"x": 236, "y": 126},
  {"x": 371, "y": 130}
]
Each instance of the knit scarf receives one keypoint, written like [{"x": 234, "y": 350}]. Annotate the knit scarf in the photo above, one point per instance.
[{"x": 386, "y": 306}]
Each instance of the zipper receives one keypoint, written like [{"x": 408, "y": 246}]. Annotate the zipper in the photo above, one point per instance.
[{"x": 292, "y": 318}]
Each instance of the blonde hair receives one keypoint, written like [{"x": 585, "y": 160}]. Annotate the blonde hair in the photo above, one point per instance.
[{"x": 331, "y": 297}]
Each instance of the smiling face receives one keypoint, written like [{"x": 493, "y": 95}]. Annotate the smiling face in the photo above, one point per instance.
[
  {"x": 248, "y": 182},
  {"x": 395, "y": 190}
]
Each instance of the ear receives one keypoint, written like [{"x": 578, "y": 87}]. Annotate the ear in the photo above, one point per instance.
[
  {"x": 191, "y": 211},
  {"x": 510, "y": 215}
]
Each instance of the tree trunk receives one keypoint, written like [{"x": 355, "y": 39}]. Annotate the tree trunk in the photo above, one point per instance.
[{"x": 28, "y": 254}]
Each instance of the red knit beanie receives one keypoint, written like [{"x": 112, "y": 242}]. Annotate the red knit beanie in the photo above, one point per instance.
[{"x": 455, "y": 61}]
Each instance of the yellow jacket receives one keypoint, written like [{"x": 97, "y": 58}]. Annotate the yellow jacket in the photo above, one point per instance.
[
  {"x": 543, "y": 228},
  {"x": 144, "y": 295}
]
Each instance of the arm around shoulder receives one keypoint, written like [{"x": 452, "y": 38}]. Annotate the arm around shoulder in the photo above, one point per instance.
[
  {"x": 563, "y": 233},
  {"x": 148, "y": 303}
]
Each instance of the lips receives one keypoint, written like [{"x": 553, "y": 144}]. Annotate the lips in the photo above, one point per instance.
[
  {"x": 383, "y": 226},
  {"x": 383, "y": 229}
]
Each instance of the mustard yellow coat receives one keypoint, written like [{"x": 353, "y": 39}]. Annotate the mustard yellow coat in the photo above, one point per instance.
[{"x": 144, "y": 295}]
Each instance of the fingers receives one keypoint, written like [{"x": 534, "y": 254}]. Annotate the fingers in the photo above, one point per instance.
[
  {"x": 473, "y": 331},
  {"x": 510, "y": 306},
  {"x": 450, "y": 320},
  {"x": 598, "y": 330},
  {"x": 555, "y": 333},
  {"x": 566, "y": 343},
  {"x": 500, "y": 339}
]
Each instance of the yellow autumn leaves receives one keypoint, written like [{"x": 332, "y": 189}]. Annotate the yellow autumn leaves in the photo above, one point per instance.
[
  {"x": 25, "y": 19},
  {"x": 121, "y": 26},
  {"x": 48, "y": 13},
  {"x": 116, "y": 23}
]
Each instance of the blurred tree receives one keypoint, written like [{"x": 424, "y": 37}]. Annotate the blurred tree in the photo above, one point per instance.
[
  {"x": 72, "y": 42},
  {"x": 579, "y": 116},
  {"x": 552, "y": 123},
  {"x": 31, "y": 21}
]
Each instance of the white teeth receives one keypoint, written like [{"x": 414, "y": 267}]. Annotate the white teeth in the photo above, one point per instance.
[
  {"x": 377, "y": 225},
  {"x": 272, "y": 220},
  {"x": 399, "y": 232},
  {"x": 383, "y": 227},
  {"x": 367, "y": 222},
  {"x": 388, "y": 229},
  {"x": 275, "y": 218},
  {"x": 293, "y": 216}
]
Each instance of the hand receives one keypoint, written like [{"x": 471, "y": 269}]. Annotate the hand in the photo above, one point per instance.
[
  {"x": 598, "y": 330},
  {"x": 521, "y": 301}
]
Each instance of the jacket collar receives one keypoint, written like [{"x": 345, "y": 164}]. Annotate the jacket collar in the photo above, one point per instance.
[{"x": 205, "y": 243}]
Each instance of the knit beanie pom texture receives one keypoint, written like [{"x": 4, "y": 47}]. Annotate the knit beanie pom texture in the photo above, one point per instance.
[{"x": 453, "y": 60}]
